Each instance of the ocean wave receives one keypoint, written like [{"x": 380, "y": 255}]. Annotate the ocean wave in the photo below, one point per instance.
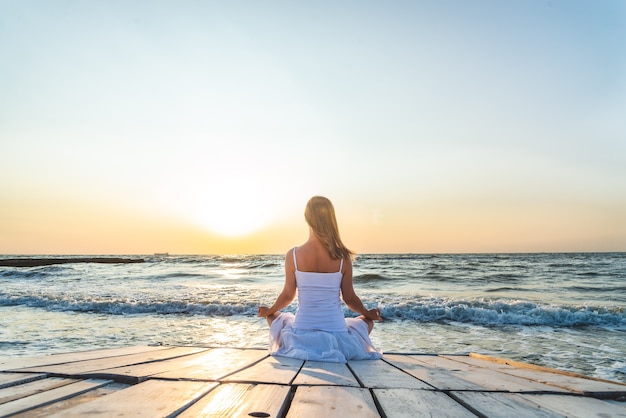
[
  {"x": 132, "y": 307},
  {"x": 179, "y": 275},
  {"x": 598, "y": 288},
  {"x": 480, "y": 312},
  {"x": 369, "y": 277},
  {"x": 34, "y": 273},
  {"x": 506, "y": 289},
  {"x": 498, "y": 312}
]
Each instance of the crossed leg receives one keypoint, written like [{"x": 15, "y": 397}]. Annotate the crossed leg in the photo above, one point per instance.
[
  {"x": 271, "y": 318},
  {"x": 369, "y": 322}
]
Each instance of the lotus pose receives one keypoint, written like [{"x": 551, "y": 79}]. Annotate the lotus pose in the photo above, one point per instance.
[{"x": 319, "y": 271}]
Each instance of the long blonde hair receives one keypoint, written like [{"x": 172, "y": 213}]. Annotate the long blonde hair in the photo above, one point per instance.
[{"x": 320, "y": 215}]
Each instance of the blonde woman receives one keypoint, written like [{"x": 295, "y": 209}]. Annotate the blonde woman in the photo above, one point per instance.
[{"x": 319, "y": 272}]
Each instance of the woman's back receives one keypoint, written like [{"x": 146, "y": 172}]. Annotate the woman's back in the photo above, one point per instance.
[
  {"x": 314, "y": 257},
  {"x": 319, "y": 304}
]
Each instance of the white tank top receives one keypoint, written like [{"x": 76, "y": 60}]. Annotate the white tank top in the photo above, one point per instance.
[{"x": 319, "y": 302}]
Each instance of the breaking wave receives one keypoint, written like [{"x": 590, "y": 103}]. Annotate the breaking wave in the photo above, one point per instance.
[{"x": 480, "y": 312}]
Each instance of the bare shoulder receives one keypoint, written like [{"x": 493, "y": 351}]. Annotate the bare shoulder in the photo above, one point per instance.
[
  {"x": 289, "y": 257},
  {"x": 347, "y": 265}
]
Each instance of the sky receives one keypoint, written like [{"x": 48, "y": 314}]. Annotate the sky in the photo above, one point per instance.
[{"x": 203, "y": 127}]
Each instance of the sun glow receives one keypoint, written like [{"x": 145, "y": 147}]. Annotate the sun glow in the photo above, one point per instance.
[{"x": 233, "y": 207}]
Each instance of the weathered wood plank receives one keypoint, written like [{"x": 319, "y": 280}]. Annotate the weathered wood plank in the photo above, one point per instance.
[
  {"x": 31, "y": 388},
  {"x": 522, "y": 365},
  {"x": 153, "y": 398},
  {"x": 45, "y": 398},
  {"x": 380, "y": 374},
  {"x": 240, "y": 400},
  {"x": 325, "y": 373},
  {"x": 332, "y": 401},
  {"x": 493, "y": 404},
  {"x": 12, "y": 379},
  {"x": 216, "y": 364},
  {"x": 577, "y": 406},
  {"x": 136, "y": 373},
  {"x": 446, "y": 374},
  {"x": 569, "y": 381},
  {"x": 504, "y": 405},
  {"x": 438, "y": 378},
  {"x": 410, "y": 403},
  {"x": 16, "y": 363},
  {"x": 280, "y": 370},
  {"x": 87, "y": 366},
  {"x": 50, "y": 409}
]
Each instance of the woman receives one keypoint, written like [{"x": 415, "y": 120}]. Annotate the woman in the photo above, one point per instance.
[{"x": 320, "y": 269}]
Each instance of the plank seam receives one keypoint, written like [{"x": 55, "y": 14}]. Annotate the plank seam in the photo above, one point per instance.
[
  {"x": 355, "y": 375},
  {"x": 34, "y": 378},
  {"x": 406, "y": 372},
  {"x": 59, "y": 399},
  {"x": 465, "y": 404},
  {"x": 192, "y": 402},
  {"x": 284, "y": 409},
  {"x": 297, "y": 373},
  {"x": 22, "y": 369},
  {"x": 247, "y": 366},
  {"x": 379, "y": 407}
]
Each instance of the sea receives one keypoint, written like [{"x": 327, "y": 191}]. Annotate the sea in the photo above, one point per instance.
[{"x": 566, "y": 311}]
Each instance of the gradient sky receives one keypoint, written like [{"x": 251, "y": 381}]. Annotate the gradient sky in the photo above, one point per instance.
[{"x": 205, "y": 126}]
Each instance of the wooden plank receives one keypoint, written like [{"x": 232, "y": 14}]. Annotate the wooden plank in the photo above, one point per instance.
[
  {"x": 565, "y": 380},
  {"x": 31, "y": 388},
  {"x": 280, "y": 370},
  {"x": 241, "y": 400},
  {"x": 153, "y": 398},
  {"x": 16, "y": 363},
  {"x": 136, "y": 373},
  {"x": 522, "y": 365},
  {"x": 12, "y": 379},
  {"x": 446, "y": 374},
  {"x": 410, "y": 403},
  {"x": 438, "y": 378},
  {"x": 380, "y": 374},
  {"x": 48, "y": 397},
  {"x": 325, "y": 373},
  {"x": 332, "y": 401},
  {"x": 50, "y": 409},
  {"x": 577, "y": 406},
  {"x": 85, "y": 367},
  {"x": 506, "y": 405},
  {"x": 217, "y": 364}
]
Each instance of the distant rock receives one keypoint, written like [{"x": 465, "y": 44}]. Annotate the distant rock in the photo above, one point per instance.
[{"x": 36, "y": 262}]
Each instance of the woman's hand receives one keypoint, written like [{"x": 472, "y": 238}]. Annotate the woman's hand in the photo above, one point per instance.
[
  {"x": 263, "y": 312},
  {"x": 374, "y": 314}
]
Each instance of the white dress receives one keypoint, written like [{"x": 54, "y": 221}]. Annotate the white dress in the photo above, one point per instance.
[{"x": 319, "y": 331}]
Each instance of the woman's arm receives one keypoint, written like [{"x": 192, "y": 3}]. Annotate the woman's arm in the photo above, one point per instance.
[
  {"x": 350, "y": 297},
  {"x": 289, "y": 289}
]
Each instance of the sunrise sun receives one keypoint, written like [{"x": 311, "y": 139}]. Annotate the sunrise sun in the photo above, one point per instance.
[{"x": 233, "y": 208}]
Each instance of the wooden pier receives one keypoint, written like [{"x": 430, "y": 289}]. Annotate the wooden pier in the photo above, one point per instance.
[{"x": 165, "y": 381}]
